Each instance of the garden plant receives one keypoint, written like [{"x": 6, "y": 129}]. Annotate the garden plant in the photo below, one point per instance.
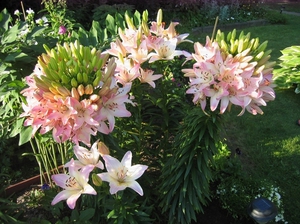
[{"x": 134, "y": 111}]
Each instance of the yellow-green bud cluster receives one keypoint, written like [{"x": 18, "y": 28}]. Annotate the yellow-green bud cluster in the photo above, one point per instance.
[
  {"x": 71, "y": 70},
  {"x": 246, "y": 46}
]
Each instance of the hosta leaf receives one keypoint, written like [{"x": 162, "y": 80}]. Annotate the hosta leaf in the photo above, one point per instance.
[
  {"x": 5, "y": 18},
  {"x": 110, "y": 25}
]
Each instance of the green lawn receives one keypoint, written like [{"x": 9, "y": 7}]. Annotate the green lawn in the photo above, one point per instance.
[
  {"x": 287, "y": 6},
  {"x": 270, "y": 142}
]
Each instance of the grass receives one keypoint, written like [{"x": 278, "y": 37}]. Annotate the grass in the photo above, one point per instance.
[
  {"x": 270, "y": 146},
  {"x": 288, "y": 6},
  {"x": 270, "y": 142}
]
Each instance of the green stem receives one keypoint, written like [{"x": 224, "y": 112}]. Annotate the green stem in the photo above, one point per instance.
[
  {"x": 215, "y": 27},
  {"x": 44, "y": 158},
  {"x": 37, "y": 159}
]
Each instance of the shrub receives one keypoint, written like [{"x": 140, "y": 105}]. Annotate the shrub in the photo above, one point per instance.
[
  {"x": 288, "y": 74},
  {"x": 100, "y": 13},
  {"x": 275, "y": 17}
]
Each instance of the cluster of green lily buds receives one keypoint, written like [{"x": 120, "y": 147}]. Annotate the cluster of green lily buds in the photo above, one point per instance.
[
  {"x": 243, "y": 45},
  {"x": 72, "y": 69}
]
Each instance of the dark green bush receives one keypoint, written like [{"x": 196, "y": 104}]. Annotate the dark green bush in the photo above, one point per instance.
[{"x": 275, "y": 17}]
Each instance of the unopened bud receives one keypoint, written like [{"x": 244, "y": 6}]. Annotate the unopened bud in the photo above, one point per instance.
[
  {"x": 96, "y": 180},
  {"x": 63, "y": 91},
  {"x": 145, "y": 16},
  {"x": 80, "y": 90},
  {"x": 95, "y": 107},
  {"x": 129, "y": 21},
  {"x": 74, "y": 82},
  {"x": 159, "y": 17},
  {"x": 105, "y": 90},
  {"x": 75, "y": 94},
  {"x": 48, "y": 95},
  {"x": 103, "y": 149},
  {"x": 94, "y": 97},
  {"x": 88, "y": 89}
]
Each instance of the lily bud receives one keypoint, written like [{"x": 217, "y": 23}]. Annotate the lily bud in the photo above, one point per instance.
[
  {"x": 139, "y": 35},
  {"x": 95, "y": 107},
  {"x": 45, "y": 58},
  {"x": 129, "y": 22},
  {"x": 111, "y": 66},
  {"x": 79, "y": 78},
  {"x": 96, "y": 180},
  {"x": 93, "y": 52},
  {"x": 53, "y": 90},
  {"x": 97, "y": 80},
  {"x": 85, "y": 78},
  {"x": 121, "y": 46},
  {"x": 58, "y": 97},
  {"x": 63, "y": 91},
  {"x": 48, "y": 95},
  {"x": 74, "y": 82},
  {"x": 80, "y": 90},
  {"x": 75, "y": 94},
  {"x": 88, "y": 89},
  {"x": 94, "y": 97},
  {"x": 103, "y": 149},
  {"x": 145, "y": 28},
  {"x": 159, "y": 17},
  {"x": 145, "y": 16},
  {"x": 103, "y": 91}
]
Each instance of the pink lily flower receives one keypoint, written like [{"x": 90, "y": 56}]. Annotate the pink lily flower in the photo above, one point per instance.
[
  {"x": 114, "y": 106},
  {"x": 121, "y": 175},
  {"x": 74, "y": 184},
  {"x": 127, "y": 71},
  {"x": 148, "y": 77},
  {"x": 140, "y": 54}
]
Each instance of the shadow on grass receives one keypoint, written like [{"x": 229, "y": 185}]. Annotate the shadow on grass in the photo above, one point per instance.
[{"x": 270, "y": 146}]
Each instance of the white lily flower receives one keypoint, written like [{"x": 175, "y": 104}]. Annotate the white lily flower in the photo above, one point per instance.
[
  {"x": 121, "y": 175},
  {"x": 74, "y": 184}
]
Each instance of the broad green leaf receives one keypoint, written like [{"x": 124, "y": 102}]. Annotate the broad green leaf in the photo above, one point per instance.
[
  {"x": 10, "y": 35},
  {"x": 110, "y": 25},
  {"x": 74, "y": 215},
  {"x": 87, "y": 214},
  {"x": 25, "y": 135},
  {"x": 36, "y": 31},
  {"x": 16, "y": 127},
  {"x": 83, "y": 37},
  {"x": 13, "y": 57},
  {"x": 5, "y": 18},
  {"x": 119, "y": 20}
]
